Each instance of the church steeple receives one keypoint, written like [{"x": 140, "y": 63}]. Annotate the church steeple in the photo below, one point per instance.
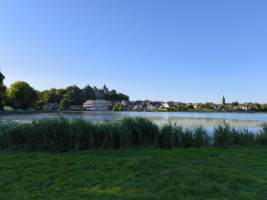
[{"x": 223, "y": 101}]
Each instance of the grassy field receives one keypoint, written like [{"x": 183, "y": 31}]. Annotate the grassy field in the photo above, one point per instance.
[{"x": 195, "y": 173}]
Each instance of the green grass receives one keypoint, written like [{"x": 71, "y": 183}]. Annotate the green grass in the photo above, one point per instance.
[{"x": 133, "y": 174}]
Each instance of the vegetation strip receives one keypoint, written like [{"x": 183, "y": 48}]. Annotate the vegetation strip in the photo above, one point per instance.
[{"x": 61, "y": 135}]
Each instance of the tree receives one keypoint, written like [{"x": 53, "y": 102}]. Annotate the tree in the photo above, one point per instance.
[
  {"x": 183, "y": 107},
  {"x": 117, "y": 107},
  {"x": 2, "y": 90},
  {"x": 21, "y": 95},
  {"x": 172, "y": 108},
  {"x": 257, "y": 106},
  {"x": 89, "y": 93},
  {"x": 207, "y": 105},
  {"x": 222, "y": 107},
  {"x": 203, "y": 106},
  {"x": 112, "y": 96},
  {"x": 65, "y": 103},
  {"x": 264, "y": 107},
  {"x": 40, "y": 104},
  {"x": 61, "y": 91},
  {"x": 75, "y": 95},
  {"x": 234, "y": 103},
  {"x": 123, "y": 97},
  {"x": 190, "y": 106},
  {"x": 51, "y": 96}
]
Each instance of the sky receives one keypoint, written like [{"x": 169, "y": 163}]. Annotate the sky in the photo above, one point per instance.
[{"x": 165, "y": 50}]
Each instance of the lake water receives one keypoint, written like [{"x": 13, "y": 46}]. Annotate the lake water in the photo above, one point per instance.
[{"x": 250, "y": 121}]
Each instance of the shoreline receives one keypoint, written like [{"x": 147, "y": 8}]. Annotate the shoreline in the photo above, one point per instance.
[{"x": 82, "y": 110}]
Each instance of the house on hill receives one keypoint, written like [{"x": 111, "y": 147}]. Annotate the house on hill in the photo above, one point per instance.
[{"x": 101, "y": 92}]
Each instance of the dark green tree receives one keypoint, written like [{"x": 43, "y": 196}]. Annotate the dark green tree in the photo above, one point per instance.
[
  {"x": 113, "y": 96},
  {"x": 222, "y": 107},
  {"x": 51, "y": 96},
  {"x": 65, "y": 103},
  {"x": 117, "y": 107},
  {"x": 190, "y": 106},
  {"x": 2, "y": 90},
  {"x": 89, "y": 93},
  {"x": 75, "y": 95},
  {"x": 207, "y": 105},
  {"x": 40, "y": 104},
  {"x": 123, "y": 97},
  {"x": 61, "y": 91},
  {"x": 172, "y": 108},
  {"x": 264, "y": 107},
  {"x": 257, "y": 106},
  {"x": 21, "y": 95},
  {"x": 234, "y": 103}
]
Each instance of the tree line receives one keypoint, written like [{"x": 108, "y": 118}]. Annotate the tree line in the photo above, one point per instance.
[
  {"x": 210, "y": 106},
  {"x": 21, "y": 95}
]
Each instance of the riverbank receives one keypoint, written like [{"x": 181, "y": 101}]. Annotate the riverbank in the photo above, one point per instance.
[
  {"x": 195, "y": 173},
  {"x": 206, "y": 111},
  {"x": 27, "y": 112},
  {"x": 2, "y": 113}
]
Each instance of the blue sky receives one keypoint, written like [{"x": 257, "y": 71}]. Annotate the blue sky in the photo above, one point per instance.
[{"x": 189, "y": 51}]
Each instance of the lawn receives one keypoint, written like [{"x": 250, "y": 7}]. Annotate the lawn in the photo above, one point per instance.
[{"x": 195, "y": 173}]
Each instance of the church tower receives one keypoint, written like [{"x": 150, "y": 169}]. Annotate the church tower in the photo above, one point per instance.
[{"x": 223, "y": 101}]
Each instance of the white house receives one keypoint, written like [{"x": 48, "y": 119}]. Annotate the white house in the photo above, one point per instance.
[{"x": 98, "y": 104}]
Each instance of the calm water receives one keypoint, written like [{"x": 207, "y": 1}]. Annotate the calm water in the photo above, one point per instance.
[{"x": 250, "y": 121}]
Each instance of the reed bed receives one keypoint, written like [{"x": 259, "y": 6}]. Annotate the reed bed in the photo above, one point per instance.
[{"x": 61, "y": 134}]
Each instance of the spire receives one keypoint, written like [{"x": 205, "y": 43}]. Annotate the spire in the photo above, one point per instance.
[{"x": 223, "y": 100}]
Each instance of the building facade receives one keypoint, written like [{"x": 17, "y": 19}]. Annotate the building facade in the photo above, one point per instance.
[
  {"x": 101, "y": 92},
  {"x": 98, "y": 104}
]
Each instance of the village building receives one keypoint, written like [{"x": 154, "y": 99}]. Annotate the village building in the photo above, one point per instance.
[
  {"x": 154, "y": 104},
  {"x": 128, "y": 105},
  {"x": 167, "y": 104},
  {"x": 52, "y": 106},
  {"x": 177, "y": 103},
  {"x": 98, "y": 104},
  {"x": 196, "y": 105},
  {"x": 151, "y": 107},
  {"x": 244, "y": 106},
  {"x": 228, "y": 106},
  {"x": 101, "y": 92},
  {"x": 138, "y": 107}
]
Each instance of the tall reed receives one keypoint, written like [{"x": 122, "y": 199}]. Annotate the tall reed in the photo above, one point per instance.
[
  {"x": 225, "y": 136},
  {"x": 61, "y": 135},
  {"x": 261, "y": 138}
]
